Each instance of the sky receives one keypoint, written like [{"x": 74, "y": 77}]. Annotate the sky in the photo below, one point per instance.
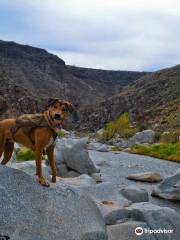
[{"x": 142, "y": 35}]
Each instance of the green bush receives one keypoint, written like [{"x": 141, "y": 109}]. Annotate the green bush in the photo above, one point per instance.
[
  {"x": 143, "y": 127},
  {"x": 119, "y": 128},
  {"x": 168, "y": 151},
  {"x": 25, "y": 154},
  {"x": 157, "y": 136},
  {"x": 61, "y": 134}
]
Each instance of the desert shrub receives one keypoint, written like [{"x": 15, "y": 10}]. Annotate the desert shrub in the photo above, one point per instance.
[
  {"x": 168, "y": 151},
  {"x": 61, "y": 134},
  {"x": 157, "y": 136},
  {"x": 109, "y": 131},
  {"x": 119, "y": 128},
  {"x": 25, "y": 154},
  {"x": 143, "y": 127}
]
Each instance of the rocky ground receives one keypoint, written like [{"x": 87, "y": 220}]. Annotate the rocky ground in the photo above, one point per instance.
[
  {"x": 115, "y": 167},
  {"x": 93, "y": 198}
]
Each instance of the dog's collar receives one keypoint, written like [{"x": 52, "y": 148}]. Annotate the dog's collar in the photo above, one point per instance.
[{"x": 50, "y": 121}]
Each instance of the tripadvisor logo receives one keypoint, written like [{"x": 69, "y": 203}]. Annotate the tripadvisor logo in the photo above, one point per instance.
[{"x": 139, "y": 231}]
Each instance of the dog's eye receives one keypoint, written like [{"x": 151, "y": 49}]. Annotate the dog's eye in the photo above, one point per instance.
[{"x": 64, "y": 109}]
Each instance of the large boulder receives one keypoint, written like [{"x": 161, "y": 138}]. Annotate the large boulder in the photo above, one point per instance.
[
  {"x": 107, "y": 197},
  {"x": 29, "y": 167},
  {"x": 169, "y": 188},
  {"x": 74, "y": 153},
  {"x": 146, "y": 136},
  {"x": 157, "y": 218},
  {"x": 29, "y": 211},
  {"x": 145, "y": 177}
]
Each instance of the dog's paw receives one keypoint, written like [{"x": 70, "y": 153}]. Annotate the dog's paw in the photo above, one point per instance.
[
  {"x": 43, "y": 182},
  {"x": 53, "y": 179}
]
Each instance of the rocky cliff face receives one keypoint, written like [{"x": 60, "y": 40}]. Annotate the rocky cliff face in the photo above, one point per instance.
[
  {"x": 154, "y": 98},
  {"x": 28, "y": 76}
]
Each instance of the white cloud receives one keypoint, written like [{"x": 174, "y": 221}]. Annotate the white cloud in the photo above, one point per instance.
[{"x": 116, "y": 34}]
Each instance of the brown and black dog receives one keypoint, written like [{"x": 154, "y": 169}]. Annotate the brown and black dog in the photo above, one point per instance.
[{"x": 41, "y": 135}]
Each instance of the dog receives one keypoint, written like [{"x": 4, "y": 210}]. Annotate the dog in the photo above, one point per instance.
[{"x": 36, "y": 137}]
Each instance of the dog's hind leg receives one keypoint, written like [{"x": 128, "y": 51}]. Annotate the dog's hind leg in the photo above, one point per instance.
[{"x": 8, "y": 150}]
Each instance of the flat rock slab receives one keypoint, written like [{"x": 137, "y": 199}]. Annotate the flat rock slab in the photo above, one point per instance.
[
  {"x": 146, "y": 177},
  {"x": 169, "y": 188},
  {"x": 106, "y": 196},
  {"x": 30, "y": 211},
  {"x": 135, "y": 194}
]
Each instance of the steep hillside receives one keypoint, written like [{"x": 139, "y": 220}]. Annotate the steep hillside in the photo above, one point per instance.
[
  {"x": 29, "y": 75},
  {"x": 106, "y": 82},
  {"x": 153, "y": 99}
]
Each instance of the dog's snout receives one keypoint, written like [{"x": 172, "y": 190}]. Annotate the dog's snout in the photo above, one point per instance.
[{"x": 57, "y": 116}]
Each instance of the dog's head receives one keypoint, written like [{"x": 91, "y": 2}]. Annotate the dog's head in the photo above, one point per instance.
[{"x": 59, "y": 109}]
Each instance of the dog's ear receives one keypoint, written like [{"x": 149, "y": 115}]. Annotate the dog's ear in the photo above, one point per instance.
[
  {"x": 51, "y": 101},
  {"x": 70, "y": 107}
]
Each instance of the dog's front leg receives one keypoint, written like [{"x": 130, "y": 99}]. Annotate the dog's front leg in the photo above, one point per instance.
[
  {"x": 50, "y": 153},
  {"x": 38, "y": 156}
]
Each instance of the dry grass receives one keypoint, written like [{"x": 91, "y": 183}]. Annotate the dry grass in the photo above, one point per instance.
[{"x": 167, "y": 151}]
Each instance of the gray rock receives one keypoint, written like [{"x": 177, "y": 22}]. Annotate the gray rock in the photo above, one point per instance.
[
  {"x": 105, "y": 195},
  {"x": 97, "y": 177},
  {"x": 135, "y": 194},
  {"x": 73, "y": 174},
  {"x": 126, "y": 231},
  {"x": 98, "y": 147},
  {"x": 146, "y": 177},
  {"x": 29, "y": 167},
  {"x": 146, "y": 136},
  {"x": 62, "y": 170},
  {"x": 156, "y": 218},
  {"x": 121, "y": 143},
  {"x": 73, "y": 153},
  {"x": 82, "y": 180},
  {"x": 169, "y": 188},
  {"x": 29, "y": 211},
  {"x": 108, "y": 199}
]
